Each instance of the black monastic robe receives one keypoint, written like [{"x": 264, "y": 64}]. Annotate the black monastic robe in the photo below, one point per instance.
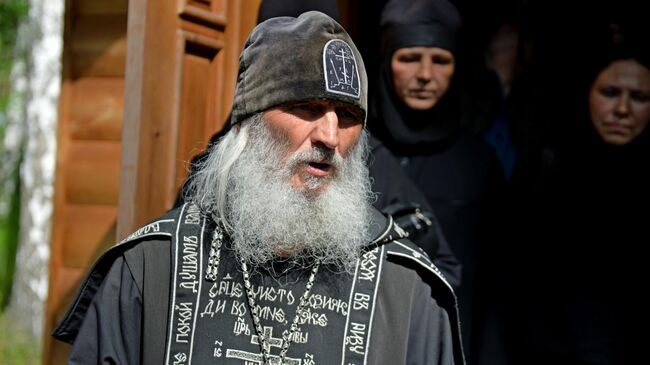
[{"x": 145, "y": 302}]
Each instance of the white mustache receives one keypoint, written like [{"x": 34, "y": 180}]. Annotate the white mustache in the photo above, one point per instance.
[{"x": 316, "y": 154}]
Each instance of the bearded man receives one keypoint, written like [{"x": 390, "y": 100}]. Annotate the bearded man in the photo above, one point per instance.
[{"x": 278, "y": 257}]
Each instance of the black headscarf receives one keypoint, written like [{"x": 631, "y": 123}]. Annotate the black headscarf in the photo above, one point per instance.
[
  {"x": 404, "y": 129},
  {"x": 411, "y": 23},
  {"x": 609, "y": 46}
]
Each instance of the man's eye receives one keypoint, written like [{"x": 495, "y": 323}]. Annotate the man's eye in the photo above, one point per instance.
[
  {"x": 349, "y": 116},
  {"x": 303, "y": 108},
  {"x": 299, "y": 107}
]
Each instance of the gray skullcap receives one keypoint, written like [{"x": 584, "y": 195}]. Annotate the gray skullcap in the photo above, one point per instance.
[
  {"x": 289, "y": 59},
  {"x": 413, "y": 23}
]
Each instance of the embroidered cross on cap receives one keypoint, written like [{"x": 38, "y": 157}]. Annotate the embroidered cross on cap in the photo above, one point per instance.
[{"x": 341, "y": 72}]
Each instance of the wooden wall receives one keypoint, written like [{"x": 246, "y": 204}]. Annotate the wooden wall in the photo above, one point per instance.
[
  {"x": 132, "y": 112},
  {"x": 88, "y": 158}
]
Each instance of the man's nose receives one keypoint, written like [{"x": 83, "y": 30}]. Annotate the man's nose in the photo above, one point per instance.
[{"x": 326, "y": 130}]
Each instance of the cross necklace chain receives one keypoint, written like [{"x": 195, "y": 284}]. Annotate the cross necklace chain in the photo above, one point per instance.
[{"x": 287, "y": 337}]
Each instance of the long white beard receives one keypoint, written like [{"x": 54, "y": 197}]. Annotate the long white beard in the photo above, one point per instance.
[{"x": 270, "y": 219}]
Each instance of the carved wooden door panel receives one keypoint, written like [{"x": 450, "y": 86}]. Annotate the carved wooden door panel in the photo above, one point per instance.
[{"x": 181, "y": 68}]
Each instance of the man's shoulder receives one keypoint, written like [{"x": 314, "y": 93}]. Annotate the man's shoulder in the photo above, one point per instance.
[
  {"x": 151, "y": 241},
  {"x": 383, "y": 229},
  {"x": 412, "y": 261},
  {"x": 159, "y": 232},
  {"x": 154, "y": 238},
  {"x": 401, "y": 251},
  {"x": 405, "y": 253},
  {"x": 162, "y": 227}
]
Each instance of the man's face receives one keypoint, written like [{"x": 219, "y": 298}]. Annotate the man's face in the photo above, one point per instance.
[
  {"x": 315, "y": 131},
  {"x": 421, "y": 75},
  {"x": 619, "y": 102}
]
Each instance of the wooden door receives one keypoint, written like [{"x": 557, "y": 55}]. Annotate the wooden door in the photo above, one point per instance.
[{"x": 182, "y": 59}]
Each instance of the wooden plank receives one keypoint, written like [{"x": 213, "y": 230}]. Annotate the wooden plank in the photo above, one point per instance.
[
  {"x": 99, "y": 46},
  {"x": 93, "y": 174},
  {"x": 191, "y": 139},
  {"x": 93, "y": 33},
  {"x": 201, "y": 13},
  {"x": 59, "y": 352},
  {"x": 215, "y": 104},
  {"x": 65, "y": 284},
  {"x": 93, "y": 230},
  {"x": 88, "y": 155},
  {"x": 201, "y": 30},
  {"x": 151, "y": 108},
  {"x": 98, "y": 109},
  {"x": 103, "y": 7},
  {"x": 217, "y": 7},
  {"x": 245, "y": 12}
]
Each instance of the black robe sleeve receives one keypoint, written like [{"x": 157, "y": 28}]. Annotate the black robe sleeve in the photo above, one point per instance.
[
  {"x": 410, "y": 326},
  {"x": 395, "y": 188},
  {"x": 110, "y": 333},
  {"x": 430, "y": 336}
]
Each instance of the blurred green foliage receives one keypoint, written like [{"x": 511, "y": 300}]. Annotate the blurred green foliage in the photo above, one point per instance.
[
  {"x": 16, "y": 346},
  {"x": 12, "y": 12},
  {"x": 9, "y": 227}
]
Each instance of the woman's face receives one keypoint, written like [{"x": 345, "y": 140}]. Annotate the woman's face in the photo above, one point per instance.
[
  {"x": 421, "y": 75},
  {"x": 619, "y": 101}
]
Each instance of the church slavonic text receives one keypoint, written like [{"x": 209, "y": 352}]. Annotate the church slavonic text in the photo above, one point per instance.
[
  {"x": 180, "y": 358},
  {"x": 315, "y": 319},
  {"x": 361, "y": 301},
  {"x": 356, "y": 338},
  {"x": 149, "y": 228},
  {"x": 298, "y": 337},
  {"x": 184, "y": 311},
  {"x": 193, "y": 215},
  {"x": 368, "y": 265},
  {"x": 318, "y": 301},
  {"x": 189, "y": 265},
  {"x": 273, "y": 294},
  {"x": 241, "y": 327},
  {"x": 212, "y": 308},
  {"x": 226, "y": 288}
]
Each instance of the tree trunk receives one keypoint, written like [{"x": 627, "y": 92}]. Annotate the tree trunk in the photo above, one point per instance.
[{"x": 37, "y": 81}]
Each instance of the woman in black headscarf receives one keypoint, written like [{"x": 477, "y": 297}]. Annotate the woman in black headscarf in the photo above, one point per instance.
[
  {"x": 415, "y": 114},
  {"x": 585, "y": 302}
]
